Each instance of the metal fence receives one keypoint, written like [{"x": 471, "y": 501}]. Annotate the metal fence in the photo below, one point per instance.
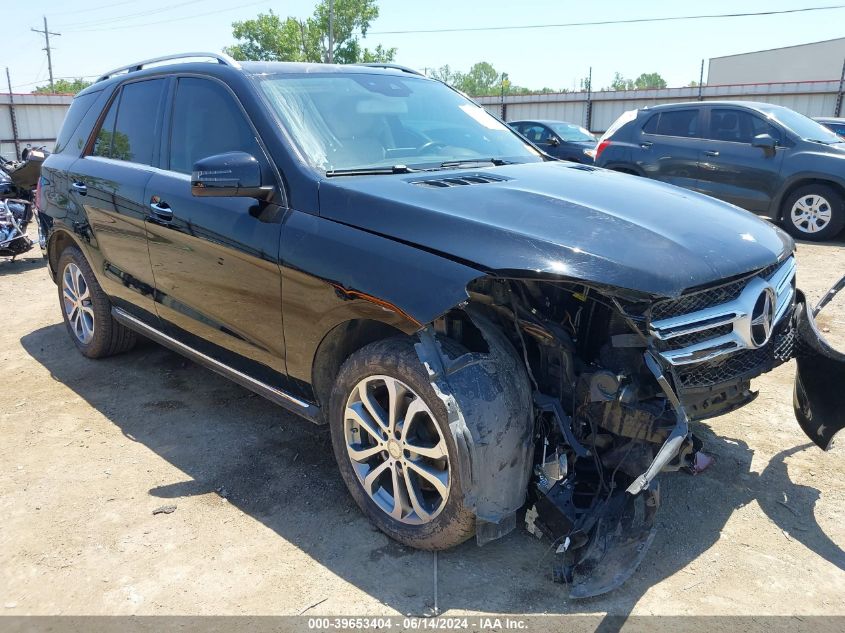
[
  {"x": 598, "y": 110},
  {"x": 36, "y": 119},
  {"x": 30, "y": 119}
]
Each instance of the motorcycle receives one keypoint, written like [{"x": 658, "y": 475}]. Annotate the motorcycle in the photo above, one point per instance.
[{"x": 18, "y": 181}]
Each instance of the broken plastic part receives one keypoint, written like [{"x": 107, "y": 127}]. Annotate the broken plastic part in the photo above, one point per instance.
[
  {"x": 488, "y": 403},
  {"x": 819, "y": 397}
]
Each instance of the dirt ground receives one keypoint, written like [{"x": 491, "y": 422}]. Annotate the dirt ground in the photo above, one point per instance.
[{"x": 263, "y": 524}]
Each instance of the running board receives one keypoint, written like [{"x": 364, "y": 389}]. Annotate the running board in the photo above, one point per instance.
[{"x": 300, "y": 407}]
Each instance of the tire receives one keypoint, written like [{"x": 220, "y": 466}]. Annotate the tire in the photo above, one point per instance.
[
  {"x": 814, "y": 212},
  {"x": 441, "y": 522},
  {"x": 89, "y": 321}
]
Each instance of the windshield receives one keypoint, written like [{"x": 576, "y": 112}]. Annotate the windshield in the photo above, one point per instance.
[
  {"x": 803, "y": 126},
  {"x": 572, "y": 132},
  {"x": 360, "y": 121}
]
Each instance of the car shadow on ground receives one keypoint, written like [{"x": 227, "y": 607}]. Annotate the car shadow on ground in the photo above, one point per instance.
[{"x": 280, "y": 471}]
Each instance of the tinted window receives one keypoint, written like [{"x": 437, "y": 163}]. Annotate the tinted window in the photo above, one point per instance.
[
  {"x": 537, "y": 133},
  {"x": 673, "y": 123},
  {"x": 738, "y": 126},
  {"x": 136, "y": 131},
  {"x": 103, "y": 142},
  {"x": 78, "y": 108},
  {"x": 207, "y": 121}
]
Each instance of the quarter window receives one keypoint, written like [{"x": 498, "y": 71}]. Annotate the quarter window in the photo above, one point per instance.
[
  {"x": 207, "y": 121},
  {"x": 673, "y": 123}
]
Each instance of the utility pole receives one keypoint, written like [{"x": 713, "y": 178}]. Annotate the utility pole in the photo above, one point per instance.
[
  {"x": 14, "y": 118},
  {"x": 589, "y": 113},
  {"x": 837, "y": 111},
  {"x": 331, "y": 31},
  {"x": 47, "y": 33},
  {"x": 701, "y": 82}
]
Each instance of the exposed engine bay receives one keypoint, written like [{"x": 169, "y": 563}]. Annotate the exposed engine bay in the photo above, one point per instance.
[{"x": 612, "y": 381}]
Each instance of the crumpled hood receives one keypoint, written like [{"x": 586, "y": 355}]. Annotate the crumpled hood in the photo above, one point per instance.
[{"x": 565, "y": 220}]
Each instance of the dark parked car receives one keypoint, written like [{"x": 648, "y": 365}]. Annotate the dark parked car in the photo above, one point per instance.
[
  {"x": 480, "y": 326},
  {"x": 835, "y": 125},
  {"x": 764, "y": 158},
  {"x": 560, "y": 139}
]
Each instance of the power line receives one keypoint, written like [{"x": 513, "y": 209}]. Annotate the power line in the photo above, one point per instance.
[
  {"x": 609, "y": 22},
  {"x": 47, "y": 33},
  {"x": 97, "y": 8},
  {"x": 118, "y": 18},
  {"x": 187, "y": 17}
]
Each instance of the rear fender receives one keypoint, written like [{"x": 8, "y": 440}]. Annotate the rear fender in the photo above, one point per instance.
[{"x": 819, "y": 394}]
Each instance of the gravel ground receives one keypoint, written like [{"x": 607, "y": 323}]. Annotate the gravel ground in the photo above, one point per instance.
[{"x": 263, "y": 525}]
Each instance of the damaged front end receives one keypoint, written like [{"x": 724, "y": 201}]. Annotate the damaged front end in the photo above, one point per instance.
[{"x": 569, "y": 400}]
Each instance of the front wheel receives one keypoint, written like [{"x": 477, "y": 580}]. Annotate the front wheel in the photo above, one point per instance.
[
  {"x": 394, "y": 448},
  {"x": 814, "y": 212}
]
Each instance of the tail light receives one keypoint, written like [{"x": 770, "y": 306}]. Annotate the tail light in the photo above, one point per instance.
[{"x": 601, "y": 147}]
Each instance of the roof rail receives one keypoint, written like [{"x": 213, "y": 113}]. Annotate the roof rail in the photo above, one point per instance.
[
  {"x": 221, "y": 58},
  {"x": 404, "y": 69}
]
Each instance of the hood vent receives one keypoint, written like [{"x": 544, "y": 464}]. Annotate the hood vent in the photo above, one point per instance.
[{"x": 457, "y": 181}]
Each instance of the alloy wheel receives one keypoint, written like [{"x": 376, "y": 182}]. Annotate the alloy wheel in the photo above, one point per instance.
[
  {"x": 810, "y": 214},
  {"x": 76, "y": 297},
  {"x": 397, "y": 449}
]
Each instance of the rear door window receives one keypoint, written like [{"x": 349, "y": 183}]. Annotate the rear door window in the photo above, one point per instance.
[
  {"x": 130, "y": 128},
  {"x": 674, "y": 123},
  {"x": 538, "y": 134}
]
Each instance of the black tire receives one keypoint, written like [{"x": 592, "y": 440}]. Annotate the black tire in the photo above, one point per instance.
[
  {"x": 397, "y": 359},
  {"x": 833, "y": 199},
  {"x": 109, "y": 337}
]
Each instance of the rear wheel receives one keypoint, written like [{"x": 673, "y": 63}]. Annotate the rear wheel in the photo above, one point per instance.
[
  {"x": 814, "y": 212},
  {"x": 86, "y": 309},
  {"x": 394, "y": 448}
]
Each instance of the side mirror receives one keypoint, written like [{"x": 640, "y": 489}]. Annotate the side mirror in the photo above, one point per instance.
[
  {"x": 230, "y": 174},
  {"x": 766, "y": 142},
  {"x": 554, "y": 141}
]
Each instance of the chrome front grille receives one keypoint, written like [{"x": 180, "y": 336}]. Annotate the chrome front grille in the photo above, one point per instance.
[{"x": 741, "y": 315}]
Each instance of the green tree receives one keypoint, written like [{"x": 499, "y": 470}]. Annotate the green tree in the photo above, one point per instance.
[
  {"x": 268, "y": 37},
  {"x": 621, "y": 83},
  {"x": 649, "y": 80},
  {"x": 63, "y": 86}
]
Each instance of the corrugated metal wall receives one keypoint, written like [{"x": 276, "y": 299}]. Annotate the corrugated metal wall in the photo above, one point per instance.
[
  {"x": 813, "y": 98},
  {"x": 39, "y": 118}
]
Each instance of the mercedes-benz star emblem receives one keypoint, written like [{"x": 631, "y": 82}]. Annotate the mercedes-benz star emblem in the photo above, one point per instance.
[{"x": 762, "y": 317}]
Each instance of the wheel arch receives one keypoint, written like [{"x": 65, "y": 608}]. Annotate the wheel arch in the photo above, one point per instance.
[
  {"x": 59, "y": 240},
  {"x": 343, "y": 340}
]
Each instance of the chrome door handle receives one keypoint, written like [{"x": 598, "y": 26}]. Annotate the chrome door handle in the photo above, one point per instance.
[
  {"x": 646, "y": 145},
  {"x": 79, "y": 187},
  {"x": 711, "y": 153},
  {"x": 162, "y": 210}
]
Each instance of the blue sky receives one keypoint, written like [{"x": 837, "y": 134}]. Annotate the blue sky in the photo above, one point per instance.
[{"x": 95, "y": 39}]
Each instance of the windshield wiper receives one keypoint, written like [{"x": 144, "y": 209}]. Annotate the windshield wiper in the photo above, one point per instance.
[
  {"x": 498, "y": 162},
  {"x": 371, "y": 171}
]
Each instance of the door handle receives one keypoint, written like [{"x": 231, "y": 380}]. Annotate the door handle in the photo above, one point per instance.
[
  {"x": 79, "y": 187},
  {"x": 161, "y": 209},
  {"x": 646, "y": 145},
  {"x": 711, "y": 153}
]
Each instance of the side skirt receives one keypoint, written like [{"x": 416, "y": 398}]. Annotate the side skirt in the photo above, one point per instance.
[{"x": 304, "y": 409}]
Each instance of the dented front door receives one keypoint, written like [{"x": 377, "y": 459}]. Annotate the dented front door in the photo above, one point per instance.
[{"x": 819, "y": 396}]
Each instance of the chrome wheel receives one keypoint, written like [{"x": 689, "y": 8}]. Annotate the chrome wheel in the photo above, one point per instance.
[
  {"x": 77, "y": 301},
  {"x": 397, "y": 449},
  {"x": 811, "y": 213}
]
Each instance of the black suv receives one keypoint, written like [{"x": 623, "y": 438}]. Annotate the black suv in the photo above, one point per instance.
[
  {"x": 479, "y": 325},
  {"x": 762, "y": 157}
]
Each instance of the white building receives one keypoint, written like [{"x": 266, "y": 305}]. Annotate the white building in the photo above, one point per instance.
[{"x": 817, "y": 61}]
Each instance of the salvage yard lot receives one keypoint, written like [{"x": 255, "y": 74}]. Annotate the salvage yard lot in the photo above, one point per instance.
[{"x": 263, "y": 523}]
